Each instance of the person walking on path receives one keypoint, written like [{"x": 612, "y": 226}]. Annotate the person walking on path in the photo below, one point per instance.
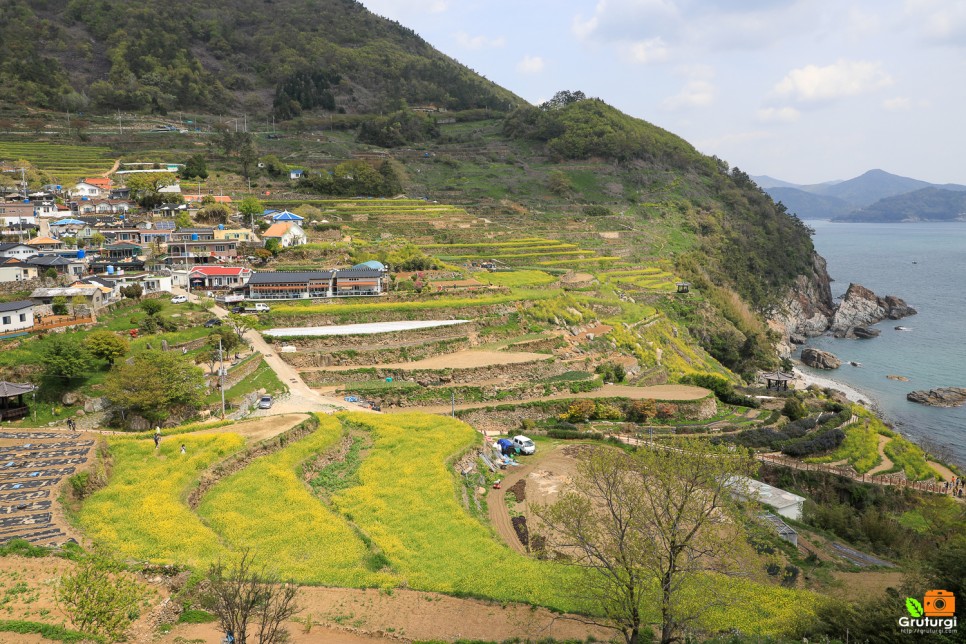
[
  {"x": 157, "y": 440},
  {"x": 182, "y": 448},
  {"x": 71, "y": 425}
]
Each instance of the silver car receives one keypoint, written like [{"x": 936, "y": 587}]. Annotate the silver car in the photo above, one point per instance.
[{"x": 265, "y": 402}]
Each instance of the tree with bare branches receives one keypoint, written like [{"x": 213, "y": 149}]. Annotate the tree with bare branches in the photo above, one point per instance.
[
  {"x": 644, "y": 528},
  {"x": 245, "y": 593}
]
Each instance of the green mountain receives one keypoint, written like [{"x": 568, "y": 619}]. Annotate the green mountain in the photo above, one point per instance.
[
  {"x": 808, "y": 205},
  {"x": 226, "y": 56},
  {"x": 928, "y": 204},
  {"x": 574, "y": 167}
]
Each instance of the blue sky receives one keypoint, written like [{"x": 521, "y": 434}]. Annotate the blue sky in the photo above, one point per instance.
[{"x": 802, "y": 90}]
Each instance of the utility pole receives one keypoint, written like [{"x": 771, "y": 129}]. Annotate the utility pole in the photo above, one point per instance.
[
  {"x": 221, "y": 377},
  {"x": 453, "y": 402},
  {"x": 120, "y": 128}
]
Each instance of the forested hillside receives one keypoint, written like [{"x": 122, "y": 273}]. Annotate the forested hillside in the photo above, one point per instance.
[{"x": 225, "y": 55}]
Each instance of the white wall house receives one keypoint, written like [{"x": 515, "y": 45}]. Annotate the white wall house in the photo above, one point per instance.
[
  {"x": 84, "y": 189},
  {"x": 16, "y": 316}
]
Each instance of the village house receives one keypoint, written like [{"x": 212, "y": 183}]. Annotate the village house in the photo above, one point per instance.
[
  {"x": 87, "y": 189},
  {"x": 94, "y": 297},
  {"x": 63, "y": 265},
  {"x": 288, "y": 234},
  {"x": 218, "y": 278},
  {"x": 300, "y": 285},
  {"x": 20, "y": 251},
  {"x": 14, "y": 270},
  {"x": 26, "y": 212},
  {"x": 45, "y": 243},
  {"x": 208, "y": 251},
  {"x": 121, "y": 251},
  {"x": 16, "y": 316},
  {"x": 241, "y": 235}
]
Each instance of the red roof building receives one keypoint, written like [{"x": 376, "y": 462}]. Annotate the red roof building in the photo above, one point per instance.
[{"x": 218, "y": 278}]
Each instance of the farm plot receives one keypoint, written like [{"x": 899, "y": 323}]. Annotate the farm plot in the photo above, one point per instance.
[
  {"x": 458, "y": 360},
  {"x": 248, "y": 508},
  {"x": 142, "y": 514},
  {"x": 32, "y": 466},
  {"x": 64, "y": 163},
  {"x": 651, "y": 278}
]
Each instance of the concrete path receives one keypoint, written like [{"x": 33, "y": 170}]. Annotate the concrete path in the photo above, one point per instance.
[{"x": 301, "y": 398}]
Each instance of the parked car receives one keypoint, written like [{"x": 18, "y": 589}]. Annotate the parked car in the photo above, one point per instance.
[
  {"x": 524, "y": 444},
  {"x": 238, "y": 309},
  {"x": 265, "y": 402},
  {"x": 212, "y": 322},
  {"x": 179, "y": 299}
]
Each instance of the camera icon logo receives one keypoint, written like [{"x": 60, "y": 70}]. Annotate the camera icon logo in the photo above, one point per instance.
[{"x": 939, "y": 603}]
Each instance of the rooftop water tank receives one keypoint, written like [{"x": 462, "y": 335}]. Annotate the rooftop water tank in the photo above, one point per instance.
[
  {"x": 81, "y": 254},
  {"x": 110, "y": 269},
  {"x": 221, "y": 226},
  {"x": 194, "y": 236}
]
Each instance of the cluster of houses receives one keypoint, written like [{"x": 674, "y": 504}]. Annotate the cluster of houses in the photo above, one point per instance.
[{"x": 89, "y": 237}]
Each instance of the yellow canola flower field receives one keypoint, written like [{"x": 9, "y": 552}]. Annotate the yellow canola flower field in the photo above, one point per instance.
[
  {"x": 407, "y": 504},
  {"x": 142, "y": 513},
  {"x": 267, "y": 507}
]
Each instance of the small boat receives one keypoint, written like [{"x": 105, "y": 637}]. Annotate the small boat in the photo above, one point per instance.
[
  {"x": 903, "y": 328},
  {"x": 854, "y": 363}
]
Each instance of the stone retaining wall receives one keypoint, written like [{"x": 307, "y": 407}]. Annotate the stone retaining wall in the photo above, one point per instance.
[
  {"x": 376, "y": 341},
  {"x": 505, "y": 420},
  {"x": 321, "y": 319},
  {"x": 367, "y": 356},
  {"x": 508, "y": 373}
]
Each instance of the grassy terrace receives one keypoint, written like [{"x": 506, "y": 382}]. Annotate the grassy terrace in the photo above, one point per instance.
[{"x": 65, "y": 163}]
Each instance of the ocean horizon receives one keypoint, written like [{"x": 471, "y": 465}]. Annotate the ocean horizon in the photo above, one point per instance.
[{"x": 924, "y": 264}]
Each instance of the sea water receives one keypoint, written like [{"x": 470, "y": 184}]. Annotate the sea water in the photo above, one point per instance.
[{"x": 924, "y": 264}]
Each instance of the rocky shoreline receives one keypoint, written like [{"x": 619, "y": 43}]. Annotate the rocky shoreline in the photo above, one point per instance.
[
  {"x": 939, "y": 397},
  {"x": 809, "y": 310}
]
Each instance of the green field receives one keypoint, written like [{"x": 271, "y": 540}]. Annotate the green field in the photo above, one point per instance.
[{"x": 61, "y": 163}]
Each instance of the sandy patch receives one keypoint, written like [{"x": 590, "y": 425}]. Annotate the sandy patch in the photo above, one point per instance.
[{"x": 258, "y": 429}]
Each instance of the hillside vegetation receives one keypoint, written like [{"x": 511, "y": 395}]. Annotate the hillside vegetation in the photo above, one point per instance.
[{"x": 225, "y": 55}]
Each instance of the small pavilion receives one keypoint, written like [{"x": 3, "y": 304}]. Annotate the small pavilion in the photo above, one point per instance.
[
  {"x": 684, "y": 287},
  {"x": 777, "y": 379},
  {"x": 12, "y": 405}
]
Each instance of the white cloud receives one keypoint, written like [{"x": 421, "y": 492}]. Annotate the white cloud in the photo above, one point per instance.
[
  {"x": 626, "y": 20},
  {"x": 478, "y": 42},
  {"x": 530, "y": 65},
  {"x": 647, "y": 51},
  {"x": 840, "y": 79},
  {"x": 939, "y": 21},
  {"x": 696, "y": 93},
  {"x": 402, "y": 10},
  {"x": 897, "y": 104},
  {"x": 778, "y": 114}
]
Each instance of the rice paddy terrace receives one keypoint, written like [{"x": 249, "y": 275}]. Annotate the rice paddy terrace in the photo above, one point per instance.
[{"x": 62, "y": 164}]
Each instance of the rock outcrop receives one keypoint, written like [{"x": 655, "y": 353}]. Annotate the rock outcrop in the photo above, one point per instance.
[
  {"x": 819, "y": 359},
  {"x": 865, "y": 333},
  {"x": 861, "y": 308},
  {"x": 808, "y": 307},
  {"x": 941, "y": 397}
]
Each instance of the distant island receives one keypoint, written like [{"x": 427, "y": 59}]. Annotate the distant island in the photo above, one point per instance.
[{"x": 876, "y": 196}]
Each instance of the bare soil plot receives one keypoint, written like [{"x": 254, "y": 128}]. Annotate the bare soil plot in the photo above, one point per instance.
[
  {"x": 258, "y": 429},
  {"x": 458, "y": 360},
  {"x": 340, "y": 616}
]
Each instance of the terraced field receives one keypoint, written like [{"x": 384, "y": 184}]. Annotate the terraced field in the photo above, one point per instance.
[
  {"x": 388, "y": 515},
  {"x": 62, "y": 163}
]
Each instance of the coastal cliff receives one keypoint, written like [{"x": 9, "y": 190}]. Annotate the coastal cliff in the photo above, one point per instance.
[{"x": 808, "y": 310}]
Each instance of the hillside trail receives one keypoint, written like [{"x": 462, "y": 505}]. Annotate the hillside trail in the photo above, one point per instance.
[
  {"x": 117, "y": 164},
  {"x": 301, "y": 398},
  {"x": 886, "y": 463}
]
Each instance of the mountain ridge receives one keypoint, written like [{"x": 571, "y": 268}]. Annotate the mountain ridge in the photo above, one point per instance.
[{"x": 833, "y": 200}]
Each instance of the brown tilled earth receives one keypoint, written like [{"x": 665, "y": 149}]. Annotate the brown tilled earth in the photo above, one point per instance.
[{"x": 337, "y": 616}]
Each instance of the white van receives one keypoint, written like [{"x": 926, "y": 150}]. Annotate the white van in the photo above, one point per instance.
[{"x": 524, "y": 444}]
